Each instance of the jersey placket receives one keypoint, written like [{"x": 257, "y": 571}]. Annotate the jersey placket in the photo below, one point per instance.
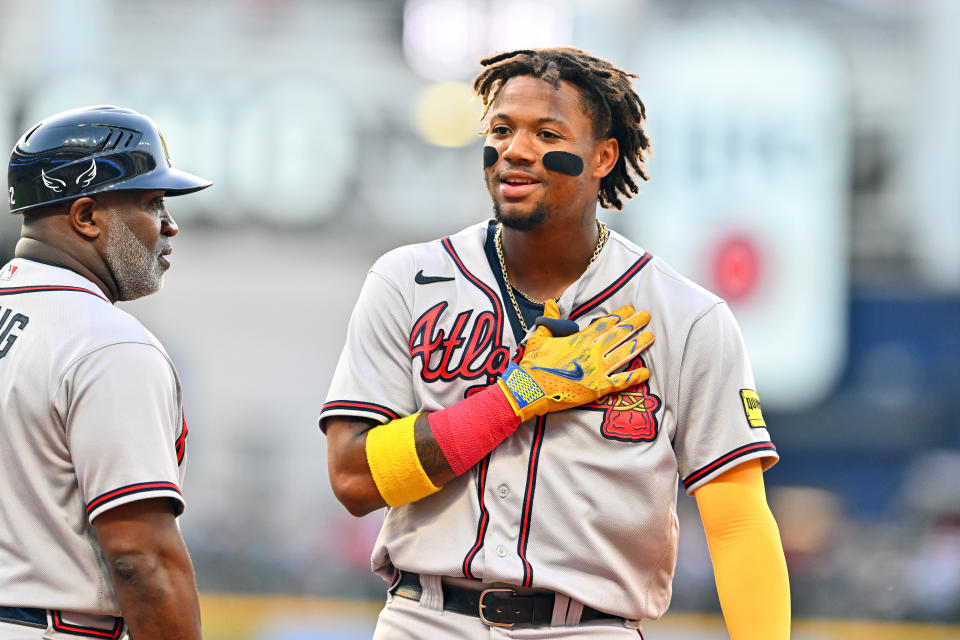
[{"x": 509, "y": 499}]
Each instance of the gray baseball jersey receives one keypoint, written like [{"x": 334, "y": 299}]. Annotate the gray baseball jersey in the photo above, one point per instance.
[
  {"x": 92, "y": 419},
  {"x": 582, "y": 501}
]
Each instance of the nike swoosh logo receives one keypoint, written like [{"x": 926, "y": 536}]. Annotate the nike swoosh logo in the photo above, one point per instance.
[
  {"x": 570, "y": 374},
  {"x": 422, "y": 279}
]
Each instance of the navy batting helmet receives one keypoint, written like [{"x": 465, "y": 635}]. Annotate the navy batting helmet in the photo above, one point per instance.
[{"x": 91, "y": 150}]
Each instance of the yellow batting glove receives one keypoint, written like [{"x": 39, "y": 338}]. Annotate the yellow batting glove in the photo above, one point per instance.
[{"x": 557, "y": 373}]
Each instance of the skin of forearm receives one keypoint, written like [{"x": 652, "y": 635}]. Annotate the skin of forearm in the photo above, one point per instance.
[
  {"x": 350, "y": 473},
  {"x": 157, "y": 593},
  {"x": 428, "y": 450}
]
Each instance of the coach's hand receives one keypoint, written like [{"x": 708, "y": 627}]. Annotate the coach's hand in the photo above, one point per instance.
[{"x": 557, "y": 373}]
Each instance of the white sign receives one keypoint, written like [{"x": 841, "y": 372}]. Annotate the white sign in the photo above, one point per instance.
[{"x": 748, "y": 190}]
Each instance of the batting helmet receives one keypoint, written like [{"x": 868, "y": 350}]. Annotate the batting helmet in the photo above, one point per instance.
[{"x": 91, "y": 150}]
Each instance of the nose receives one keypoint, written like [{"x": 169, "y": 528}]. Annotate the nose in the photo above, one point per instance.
[
  {"x": 519, "y": 150},
  {"x": 168, "y": 226}
]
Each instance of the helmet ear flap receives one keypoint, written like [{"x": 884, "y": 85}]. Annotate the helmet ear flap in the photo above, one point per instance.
[{"x": 90, "y": 150}]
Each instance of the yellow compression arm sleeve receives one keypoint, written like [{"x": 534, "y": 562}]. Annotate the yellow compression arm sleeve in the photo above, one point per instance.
[
  {"x": 394, "y": 463},
  {"x": 747, "y": 555}
]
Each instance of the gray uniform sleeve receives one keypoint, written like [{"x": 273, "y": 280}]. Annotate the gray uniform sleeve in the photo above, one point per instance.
[
  {"x": 373, "y": 375},
  {"x": 719, "y": 424},
  {"x": 122, "y": 414}
]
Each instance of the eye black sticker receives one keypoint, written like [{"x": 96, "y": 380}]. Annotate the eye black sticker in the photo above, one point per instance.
[
  {"x": 490, "y": 157},
  {"x": 563, "y": 162}
]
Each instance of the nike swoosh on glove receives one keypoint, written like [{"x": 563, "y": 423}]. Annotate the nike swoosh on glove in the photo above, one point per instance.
[{"x": 557, "y": 373}]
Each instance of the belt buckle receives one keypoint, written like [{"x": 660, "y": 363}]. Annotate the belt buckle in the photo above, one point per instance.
[{"x": 481, "y": 606}]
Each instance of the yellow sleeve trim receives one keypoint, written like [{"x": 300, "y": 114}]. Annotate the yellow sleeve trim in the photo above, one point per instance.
[
  {"x": 395, "y": 465},
  {"x": 747, "y": 555}
]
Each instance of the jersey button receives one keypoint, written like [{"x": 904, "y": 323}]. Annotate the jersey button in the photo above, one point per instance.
[
  {"x": 501, "y": 550},
  {"x": 503, "y": 491}
]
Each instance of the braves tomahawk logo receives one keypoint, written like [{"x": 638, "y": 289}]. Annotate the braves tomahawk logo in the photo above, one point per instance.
[
  {"x": 57, "y": 185},
  {"x": 631, "y": 415}
]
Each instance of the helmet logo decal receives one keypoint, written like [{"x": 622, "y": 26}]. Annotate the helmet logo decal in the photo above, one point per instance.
[
  {"x": 10, "y": 195},
  {"x": 54, "y": 184},
  {"x": 85, "y": 178},
  {"x": 166, "y": 153}
]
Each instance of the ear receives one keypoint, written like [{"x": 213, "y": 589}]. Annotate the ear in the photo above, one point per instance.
[
  {"x": 85, "y": 217},
  {"x": 605, "y": 157}
]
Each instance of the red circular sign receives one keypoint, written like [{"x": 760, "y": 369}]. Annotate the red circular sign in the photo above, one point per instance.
[{"x": 736, "y": 267}]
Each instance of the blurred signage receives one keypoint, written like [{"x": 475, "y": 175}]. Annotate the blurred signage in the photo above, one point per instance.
[
  {"x": 445, "y": 39},
  {"x": 748, "y": 189},
  {"x": 281, "y": 149}
]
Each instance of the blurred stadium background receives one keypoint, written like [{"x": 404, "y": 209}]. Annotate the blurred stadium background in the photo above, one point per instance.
[{"x": 805, "y": 168}]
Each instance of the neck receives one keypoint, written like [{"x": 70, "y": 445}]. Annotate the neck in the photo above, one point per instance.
[
  {"x": 34, "y": 248},
  {"x": 544, "y": 262}
]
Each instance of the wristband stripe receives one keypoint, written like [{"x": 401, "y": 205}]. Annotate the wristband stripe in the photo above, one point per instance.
[
  {"x": 613, "y": 288},
  {"x": 9, "y": 291},
  {"x": 139, "y": 487},
  {"x": 379, "y": 409},
  {"x": 726, "y": 459}
]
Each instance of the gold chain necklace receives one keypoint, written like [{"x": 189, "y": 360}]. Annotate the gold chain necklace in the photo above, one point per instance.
[{"x": 602, "y": 232}]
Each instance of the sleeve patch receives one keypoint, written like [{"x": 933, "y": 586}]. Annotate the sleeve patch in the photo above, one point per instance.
[{"x": 751, "y": 407}]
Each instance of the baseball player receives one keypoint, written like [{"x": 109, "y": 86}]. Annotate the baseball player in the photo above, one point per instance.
[
  {"x": 496, "y": 392},
  {"x": 92, "y": 431}
]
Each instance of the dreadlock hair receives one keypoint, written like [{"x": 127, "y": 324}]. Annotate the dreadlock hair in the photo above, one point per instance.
[{"x": 614, "y": 107}]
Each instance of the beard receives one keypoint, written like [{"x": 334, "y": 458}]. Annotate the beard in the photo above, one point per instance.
[
  {"x": 534, "y": 220},
  {"x": 135, "y": 268}
]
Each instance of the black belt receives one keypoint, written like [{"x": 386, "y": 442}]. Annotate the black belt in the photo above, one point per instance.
[
  {"x": 495, "y": 606},
  {"x": 24, "y": 615}
]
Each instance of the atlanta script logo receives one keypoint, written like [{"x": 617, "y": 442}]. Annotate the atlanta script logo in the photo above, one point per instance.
[{"x": 470, "y": 349}]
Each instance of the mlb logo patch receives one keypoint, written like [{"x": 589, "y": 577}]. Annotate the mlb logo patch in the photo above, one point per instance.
[{"x": 8, "y": 272}]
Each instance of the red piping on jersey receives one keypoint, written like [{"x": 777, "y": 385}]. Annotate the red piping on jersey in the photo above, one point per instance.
[
  {"x": 535, "y": 447},
  {"x": 127, "y": 490},
  {"x": 494, "y": 299},
  {"x": 182, "y": 440},
  {"x": 497, "y": 342},
  {"x": 395, "y": 581},
  {"x": 613, "y": 288},
  {"x": 89, "y": 632},
  {"x": 365, "y": 406},
  {"x": 729, "y": 457},
  {"x": 6, "y": 291},
  {"x": 484, "y": 519}
]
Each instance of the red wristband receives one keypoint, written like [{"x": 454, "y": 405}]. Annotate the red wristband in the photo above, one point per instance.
[{"x": 471, "y": 428}]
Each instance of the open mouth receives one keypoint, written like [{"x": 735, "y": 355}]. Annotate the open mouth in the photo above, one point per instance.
[
  {"x": 516, "y": 184},
  {"x": 518, "y": 181}
]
